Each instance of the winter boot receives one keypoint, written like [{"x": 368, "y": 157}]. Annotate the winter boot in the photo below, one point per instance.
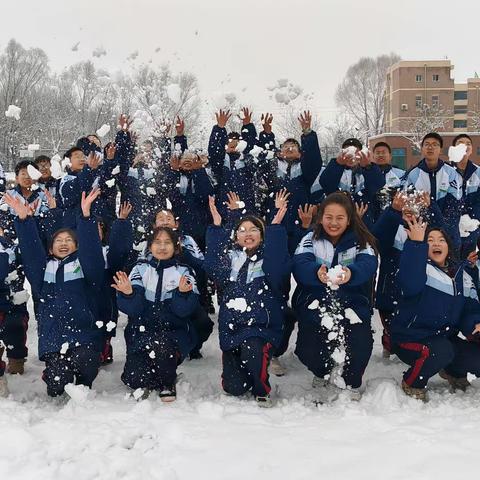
[
  {"x": 16, "y": 366},
  {"x": 276, "y": 368},
  {"x": 168, "y": 394},
  {"x": 264, "y": 402},
  {"x": 417, "y": 393},
  {"x": 455, "y": 383}
]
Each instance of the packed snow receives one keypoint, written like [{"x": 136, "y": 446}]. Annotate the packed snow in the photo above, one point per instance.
[{"x": 106, "y": 433}]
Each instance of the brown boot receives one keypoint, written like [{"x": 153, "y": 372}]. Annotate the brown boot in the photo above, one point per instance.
[
  {"x": 455, "y": 383},
  {"x": 16, "y": 366},
  {"x": 417, "y": 393}
]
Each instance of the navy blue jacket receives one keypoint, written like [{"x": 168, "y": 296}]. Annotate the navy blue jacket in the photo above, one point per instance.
[
  {"x": 157, "y": 308},
  {"x": 65, "y": 289},
  {"x": 252, "y": 288},
  {"x": 356, "y": 294},
  {"x": 433, "y": 303}
]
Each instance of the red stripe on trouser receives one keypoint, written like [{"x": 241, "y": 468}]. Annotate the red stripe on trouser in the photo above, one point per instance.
[
  {"x": 264, "y": 371},
  {"x": 417, "y": 366}
]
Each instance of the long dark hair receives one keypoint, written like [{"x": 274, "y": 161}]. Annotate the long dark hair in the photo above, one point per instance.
[{"x": 355, "y": 223}]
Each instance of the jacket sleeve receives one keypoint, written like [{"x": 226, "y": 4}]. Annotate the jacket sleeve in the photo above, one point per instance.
[
  {"x": 216, "y": 150},
  {"x": 330, "y": 178},
  {"x": 183, "y": 304},
  {"x": 374, "y": 181},
  {"x": 385, "y": 228},
  {"x": 217, "y": 262},
  {"x": 203, "y": 185},
  {"x": 364, "y": 267},
  {"x": 119, "y": 244},
  {"x": 90, "y": 251},
  {"x": 412, "y": 274},
  {"x": 277, "y": 264},
  {"x": 311, "y": 158},
  {"x": 249, "y": 134},
  {"x": 33, "y": 254},
  {"x": 305, "y": 266},
  {"x": 132, "y": 305},
  {"x": 70, "y": 191},
  {"x": 4, "y": 266}
]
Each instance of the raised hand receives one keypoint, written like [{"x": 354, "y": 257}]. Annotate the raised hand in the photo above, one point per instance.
[
  {"x": 425, "y": 199},
  {"x": 124, "y": 122},
  {"x": 398, "y": 201},
  {"x": 222, "y": 117},
  {"x": 185, "y": 284},
  {"x": 179, "y": 126},
  {"x": 361, "y": 208},
  {"x": 416, "y": 229},
  {"x": 246, "y": 116},
  {"x": 175, "y": 162},
  {"x": 322, "y": 274},
  {"x": 278, "y": 218},
  {"x": 21, "y": 208},
  {"x": 216, "y": 217},
  {"x": 473, "y": 257},
  {"x": 266, "y": 120},
  {"x": 52, "y": 203},
  {"x": 87, "y": 201},
  {"x": 306, "y": 214},
  {"x": 93, "y": 160},
  {"x": 233, "y": 202},
  {"x": 122, "y": 283},
  {"x": 281, "y": 198},
  {"x": 305, "y": 120},
  {"x": 125, "y": 209}
]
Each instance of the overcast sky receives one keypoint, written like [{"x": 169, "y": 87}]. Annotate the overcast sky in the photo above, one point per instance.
[{"x": 233, "y": 45}]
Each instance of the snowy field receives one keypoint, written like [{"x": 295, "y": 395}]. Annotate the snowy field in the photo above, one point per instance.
[{"x": 105, "y": 434}]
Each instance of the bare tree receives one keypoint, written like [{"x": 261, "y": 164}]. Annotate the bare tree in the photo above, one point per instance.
[{"x": 361, "y": 92}]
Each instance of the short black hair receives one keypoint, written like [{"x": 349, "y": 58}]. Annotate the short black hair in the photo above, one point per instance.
[
  {"x": 435, "y": 136},
  {"x": 41, "y": 159},
  {"x": 233, "y": 136},
  {"x": 22, "y": 165},
  {"x": 292, "y": 140},
  {"x": 382, "y": 144},
  {"x": 63, "y": 230},
  {"x": 458, "y": 137},
  {"x": 352, "y": 142},
  {"x": 69, "y": 152}
]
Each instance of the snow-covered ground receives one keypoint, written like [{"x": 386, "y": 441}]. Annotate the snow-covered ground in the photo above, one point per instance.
[{"x": 207, "y": 435}]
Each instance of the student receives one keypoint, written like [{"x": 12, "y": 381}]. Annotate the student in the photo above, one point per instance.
[
  {"x": 159, "y": 298},
  {"x": 441, "y": 181},
  {"x": 438, "y": 300},
  {"x": 64, "y": 282},
  {"x": 117, "y": 242},
  {"x": 470, "y": 174},
  {"x": 192, "y": 255},
  {"x": 251, "y": 277},
  {"x": 46, "y": 181},
  {"x": 353, "y": 172},
  {"x": 391, "y": 233},
  {"x": 330, "y": 306},
  {"x": 382, "y": 156}
]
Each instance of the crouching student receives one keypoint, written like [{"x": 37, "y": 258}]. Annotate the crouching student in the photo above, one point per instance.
[
  {"x": 438, "y": 300},
  {"x": 192, "y": 255},
  {"x": 159, "y": 298},
  {"x": 251, "y": 276},
  {"x": 64, "y": 283},
  {"x": 334, "y": 266}
]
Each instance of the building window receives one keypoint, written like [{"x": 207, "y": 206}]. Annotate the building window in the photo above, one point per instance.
[
  {"x": 399, "y": 157},
  {"x": 460, "y": 95},
  {"x": 418, "y": 78},
  {"x": 418, "y": 102},
  {"x": 435, "y": 101},
  {"x": 459, "y": 124},
  {"x": 435, "y": 78},
  {"x": 478, "y": 150},
  {"x": 460, "y": 109}
]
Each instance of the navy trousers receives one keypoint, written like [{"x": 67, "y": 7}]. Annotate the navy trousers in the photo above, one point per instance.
[
  {"x": 78, "y": 365},
  {"x": 154, "y": 369},
  {"x": 426, "y": 358},
  {"x": 14, "y": 326},
  {"x": 315, "y": 350},
  {"x": 246, "y": 368}
]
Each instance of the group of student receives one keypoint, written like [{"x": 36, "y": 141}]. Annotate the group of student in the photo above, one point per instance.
[{"x": 155, "y": 230}]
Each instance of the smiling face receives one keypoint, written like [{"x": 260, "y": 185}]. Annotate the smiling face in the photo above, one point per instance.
[
  {"x": 232, "y": 145},
  {"x": 162, "y": 247},
  {"x": 23, "y": 179},
  {"x": 334, "y": 221},
  {"x": 63, "y": 245},
  {"x": 289, "y": 151},
  {"x": 44, "y": 168},
  {"x": 164, "y": 218},
  {"x": 381, "y": 156},
  {"x": 249, "y": 236},
  {"x": 187, "y": 160},
  {"x": 437, "y": 247}
]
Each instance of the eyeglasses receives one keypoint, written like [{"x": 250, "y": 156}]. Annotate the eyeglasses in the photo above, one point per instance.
[
  {"x": 242, "y": 231},
  {"x": 431, "y": 145}
]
